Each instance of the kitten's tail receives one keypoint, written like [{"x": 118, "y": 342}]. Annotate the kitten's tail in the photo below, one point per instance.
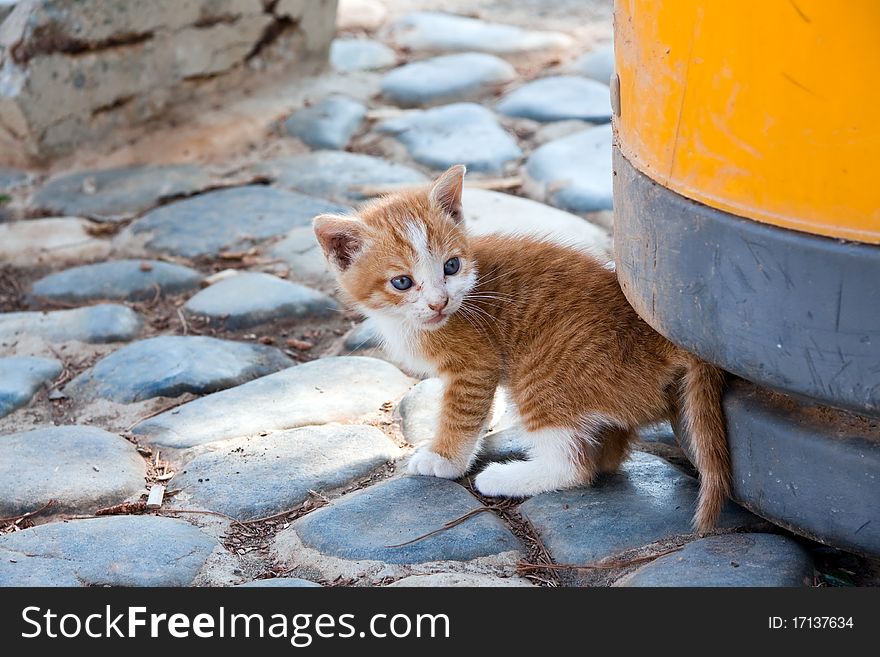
[{"x": 704, "y": 422}]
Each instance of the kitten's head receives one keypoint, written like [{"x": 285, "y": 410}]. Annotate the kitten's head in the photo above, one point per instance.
[{"x": 405, "y": 256}]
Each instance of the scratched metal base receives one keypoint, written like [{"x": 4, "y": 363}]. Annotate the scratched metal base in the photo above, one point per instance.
[
  {"x": 812, "y": 469},
  {"x": 789, "y": 310}
]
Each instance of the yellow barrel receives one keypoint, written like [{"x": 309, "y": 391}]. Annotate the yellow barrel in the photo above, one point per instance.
[{"x": 767, "y": 110}]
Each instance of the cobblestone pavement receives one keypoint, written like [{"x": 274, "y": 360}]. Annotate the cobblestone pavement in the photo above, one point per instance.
[{"x": 177, "y": 323}]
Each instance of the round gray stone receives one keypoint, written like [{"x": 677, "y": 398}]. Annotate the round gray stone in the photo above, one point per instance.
[
  {"x": 573, "y": 173},
  {"x": 348, "y": 55},
  {"x": 439, "y": 32},
  {"x": 235, "y": 218},
  {"x": 117, "y": 194},
  {"x": 337, "y": 175},
  {"x": 81, "y": 468},
  {"x": 170, "y": 365},
  {"x": 250, "y": 478},
  {"x": 729, "y": 560},
  {"x": 461, "y": 133},
  {"x": 659, "y": 433},
  {"x": 95, "y": 324},
  {"x": 301, "y": 251},
  {"x": 645, "y": 502},
  {"x": 134, "y": 280},
  {"x": 488, "y": 212},
  {"x": 363, "y": 525},
  {"x": 362, "y": 336},
  {"x": 11, "y": 179},
  {"x": 318, "y": 392},
  {"x": 253, "y": 298},
  {"x": 558, "y": 98},
  {"x": 448, "y": 78},
  {"x": 280, "y": 582},
  {"x": 110, "y": 551},
  {"x": 597, "y": 65},
  {"x": 21, "y": 377},
  {"x": 329, "y": 123},
  {"x": 419, "y": 411},
  {"x": 502, "y": 445}
]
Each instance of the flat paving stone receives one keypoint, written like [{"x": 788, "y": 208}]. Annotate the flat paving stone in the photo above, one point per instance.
[
  {"x": 56, "y": 240},
  {"x": 253, "y": 298},
  {"x": 766, "y": 560},
  {"x": 21, "y": 377},
  {"x": 250, "y": 478},
  {"x": 461, "y": 133},
  {"x": 646, "y": 501},
  {"x": 337, "y": 175},
  {"x": 95, "y": 324},
  {"x": 111, "y": 551},
  {"x": 118, "y": 194},
  {"x": 439, "y": 32},
  {"x": 340, "y": 389},
  {"x": 597, "y": 64},
  {"x": 227, "y": 219},
  {"x": 574, "y": 172},
  {"x": 445, "y": 79},
  {"x": 559, "y": 98},
  {"x": 459, "y": 580},
  {"x": 170, "y": 365},
  {"x": 329, "y": 123},
  {"x": 132, "y": 280},
  {"x": 302, "y": 253},
  {"x": 81, "y": 468},
  {"x": 349, "y": 55},
  {"x": 363, "y": 525},
  {"x": 488, "y": 212},
  {"x": 280, "y": 582}
]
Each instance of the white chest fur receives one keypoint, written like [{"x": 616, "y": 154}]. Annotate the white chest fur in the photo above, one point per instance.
[{"x": 402, "y": 345}]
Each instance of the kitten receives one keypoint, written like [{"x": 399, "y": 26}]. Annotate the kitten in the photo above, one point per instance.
[{"x": 547, "y": 322}]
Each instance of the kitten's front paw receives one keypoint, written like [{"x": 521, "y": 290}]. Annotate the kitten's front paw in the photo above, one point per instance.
[
  {"x": 499, "y": 480},
  {"x": 426, "y": 462}
]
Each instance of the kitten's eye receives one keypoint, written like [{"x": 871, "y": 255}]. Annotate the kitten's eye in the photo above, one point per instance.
[
  {"x": 452, "y": 266},
  {"x": 401, "y": 283}
]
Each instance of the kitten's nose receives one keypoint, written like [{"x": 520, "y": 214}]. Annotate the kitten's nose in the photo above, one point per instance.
[{"x": 440, "y": 305}]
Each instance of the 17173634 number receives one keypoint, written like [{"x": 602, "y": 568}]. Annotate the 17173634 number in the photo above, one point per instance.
[{"x": 810, "y": 623}]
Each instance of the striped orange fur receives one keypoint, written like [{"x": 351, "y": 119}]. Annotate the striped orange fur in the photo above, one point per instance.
[{"x": 547, "y": 322}]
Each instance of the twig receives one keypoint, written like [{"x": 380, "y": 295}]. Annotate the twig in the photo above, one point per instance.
[
  {"x": 29, "y": 514},
  {"x": 445, "y": 527},
  {"x": 607, "y": 565},
  {"x": 183, "y": 321},
  {"x": 285, "y": 513}
]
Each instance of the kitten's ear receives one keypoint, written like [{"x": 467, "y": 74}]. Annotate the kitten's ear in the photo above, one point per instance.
[
  {"x": 341, "y": 238},
  {"x": 446, "y": 191}
]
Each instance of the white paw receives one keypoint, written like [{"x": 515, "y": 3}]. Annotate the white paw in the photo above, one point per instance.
[
  {"x": 499, "y": 480},
  {"x": 426, "y": 462}
]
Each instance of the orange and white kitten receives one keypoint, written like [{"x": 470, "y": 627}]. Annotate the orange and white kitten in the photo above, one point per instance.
[{"x": 547, "y": 322}]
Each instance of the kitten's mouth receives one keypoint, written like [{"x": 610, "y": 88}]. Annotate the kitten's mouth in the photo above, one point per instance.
[{"x": 436, "y": 319}]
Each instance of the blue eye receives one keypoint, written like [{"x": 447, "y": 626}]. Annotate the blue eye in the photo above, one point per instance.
[
  {"x": 402, "y": 283},
  {"x": 452, "y": 266}
]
